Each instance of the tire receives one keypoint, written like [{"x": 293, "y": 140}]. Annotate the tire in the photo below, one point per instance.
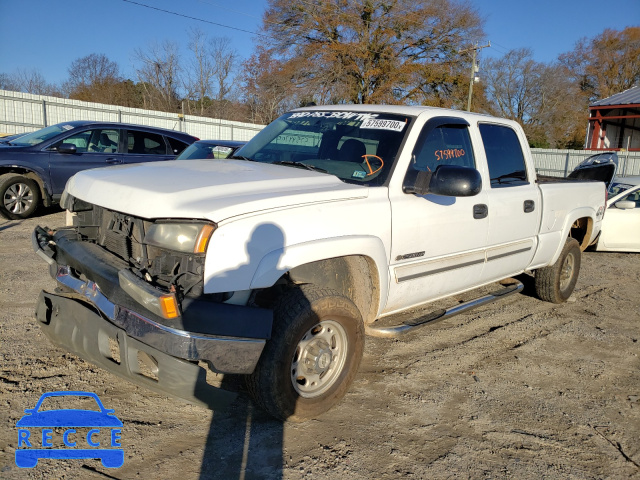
[
  {"x": 556, "y": 282},
  {"x": 19, "y": 196},
  {"x": 312, "y": 357}
]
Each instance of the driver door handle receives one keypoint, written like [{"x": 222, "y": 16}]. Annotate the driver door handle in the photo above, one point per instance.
[
  {"x": 480, "y": 211},
  {"x": 113, "y": 160}
]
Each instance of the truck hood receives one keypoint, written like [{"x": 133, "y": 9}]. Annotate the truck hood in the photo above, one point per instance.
[{"x": 210, "y": 189}]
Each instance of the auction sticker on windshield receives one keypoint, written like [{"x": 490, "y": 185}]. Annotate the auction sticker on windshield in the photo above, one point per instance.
[
  {"x": 380, "y": 124},
  {"x": 91, "y": 431}
]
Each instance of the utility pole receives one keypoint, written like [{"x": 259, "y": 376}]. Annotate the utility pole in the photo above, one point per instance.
[{"x": 474, "y": 69}]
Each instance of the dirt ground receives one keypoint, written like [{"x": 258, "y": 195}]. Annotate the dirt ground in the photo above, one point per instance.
[{"x": 517, "y": 389}]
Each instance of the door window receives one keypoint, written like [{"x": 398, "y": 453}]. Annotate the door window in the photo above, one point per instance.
[
  {"x": 143, "y": 143},
  {"x": 176, "y": 145},
  {"x": 444, "y": 145},
  {"x": 100, "y": 140},
  {"x": 504, "y": 156}
]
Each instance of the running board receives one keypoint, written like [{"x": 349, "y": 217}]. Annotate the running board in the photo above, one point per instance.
[{"x": 436, "y": 316}]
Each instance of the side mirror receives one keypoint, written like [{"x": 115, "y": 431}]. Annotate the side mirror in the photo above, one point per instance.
[
  {"x": 625, "y": 205},
  {"x": 67, "y": 148},
  {"x": 447, "y": 180}
]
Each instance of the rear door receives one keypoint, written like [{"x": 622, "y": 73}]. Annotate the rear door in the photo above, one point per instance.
[
  {"x": 514, "y": 202},
  {"x": 95, "y": 148},
  {"x": 141, "y": 146}
]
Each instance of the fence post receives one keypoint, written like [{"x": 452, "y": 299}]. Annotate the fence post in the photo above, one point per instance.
[
  {"x": 44, "y": 113},
  {"x": 566, "y": 164},
  {"x": 119, "y": 116}
]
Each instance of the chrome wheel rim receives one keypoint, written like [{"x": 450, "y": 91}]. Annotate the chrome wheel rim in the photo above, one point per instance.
[
  {"x": 319, "y": 359},
  {"x": 566, "y": 273},
  {"x": 18, "y": 198}
]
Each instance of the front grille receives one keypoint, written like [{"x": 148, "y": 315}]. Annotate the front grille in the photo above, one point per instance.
[{"x": 123, "y": 235}]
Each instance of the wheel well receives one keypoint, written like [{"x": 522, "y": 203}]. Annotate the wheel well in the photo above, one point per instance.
[
  {"x": 581, "y": 230},
  {"x": 354, "y": 276},
  {"x": 44, "y": 194}
]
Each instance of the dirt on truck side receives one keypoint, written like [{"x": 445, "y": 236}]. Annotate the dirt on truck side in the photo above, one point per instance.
[{"x": 520, "y": 389}]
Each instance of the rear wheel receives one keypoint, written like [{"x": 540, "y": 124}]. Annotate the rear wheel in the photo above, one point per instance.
[
  {"x": 19, "y": 196},
  {"x": 556, "y": 282},
  {"x": 312, "y": 357}
]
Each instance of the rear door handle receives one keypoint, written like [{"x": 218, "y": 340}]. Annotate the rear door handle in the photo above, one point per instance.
[
  {"x": 529, "y": 206},
  {"x": 480, "y": 211}
]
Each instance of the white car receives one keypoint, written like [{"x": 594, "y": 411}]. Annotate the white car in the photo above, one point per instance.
[{"x": 621, "y": 224}]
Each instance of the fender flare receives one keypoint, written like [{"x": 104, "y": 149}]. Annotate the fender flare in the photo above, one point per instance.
[
  {"x": 278, "y": 262},
  {"x": 583, "y": 212}
]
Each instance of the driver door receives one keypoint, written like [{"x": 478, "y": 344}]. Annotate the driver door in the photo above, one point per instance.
[{"x": 438, "y": 242}]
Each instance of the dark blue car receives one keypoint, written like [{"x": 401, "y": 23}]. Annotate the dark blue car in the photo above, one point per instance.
[
  {"x": 40, "y": 432},
  {"x": 35, "y": 167}
]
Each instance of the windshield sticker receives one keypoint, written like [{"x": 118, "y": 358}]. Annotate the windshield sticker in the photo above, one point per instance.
[
  {"x": 67, "y": 127},
  {"x": 393, "y": 125},
  {"x": 339, "y": 115},
  {"x": 449, "y": 153},
  {"x": 359, "y": 174}
]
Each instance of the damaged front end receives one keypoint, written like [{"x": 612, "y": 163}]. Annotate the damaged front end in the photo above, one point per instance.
[{"x": 138, "y": 284}]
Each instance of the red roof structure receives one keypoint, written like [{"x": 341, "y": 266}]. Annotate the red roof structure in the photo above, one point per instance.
[{"x": 614, "y": 122}]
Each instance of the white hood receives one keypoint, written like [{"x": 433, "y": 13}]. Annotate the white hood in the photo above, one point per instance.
[{"x": 207, "y": 189}]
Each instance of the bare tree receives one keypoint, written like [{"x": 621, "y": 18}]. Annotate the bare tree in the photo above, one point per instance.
[
  {"x": 158, "y": 73},
  {"x": 541, "y": 97},
  {"x": 28, "y": 81},
  {"x": 94, "y": 78},
  {"x": 200, "y": 71},
  {"x": 209, "y": 72}
]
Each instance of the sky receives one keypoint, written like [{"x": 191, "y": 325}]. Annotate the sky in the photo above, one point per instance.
[{"x": 46, "y": 35}]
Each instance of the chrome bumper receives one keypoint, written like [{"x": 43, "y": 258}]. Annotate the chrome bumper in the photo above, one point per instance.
[{"x": 224, "y": 354}]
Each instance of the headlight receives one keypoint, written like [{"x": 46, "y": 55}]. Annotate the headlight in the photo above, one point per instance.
[{"x": 182, "y": 237}]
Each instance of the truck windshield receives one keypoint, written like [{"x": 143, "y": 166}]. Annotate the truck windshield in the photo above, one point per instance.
[{"x": 354, "y": 146}]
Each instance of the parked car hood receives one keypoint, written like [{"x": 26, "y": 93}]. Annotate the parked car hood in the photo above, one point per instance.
[{"x": 214, "y": 190}]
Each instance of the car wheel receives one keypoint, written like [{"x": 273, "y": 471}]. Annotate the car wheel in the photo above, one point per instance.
[
  {"x": 556, "y": 282},
  {"x": 312, "y": 357},
  {"x": 19, "y": 196}
]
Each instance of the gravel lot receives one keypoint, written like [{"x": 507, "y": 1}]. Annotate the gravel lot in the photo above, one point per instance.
[{"x": 518, "y": 389}]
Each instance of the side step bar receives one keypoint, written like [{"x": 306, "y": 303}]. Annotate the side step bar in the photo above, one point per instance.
[{"x": 436, "y": 316}]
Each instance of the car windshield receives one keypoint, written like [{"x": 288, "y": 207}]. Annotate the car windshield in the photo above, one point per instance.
[
  {"x": 204, "y": 150},
  {"x": 618, "y": 188},
  {"x": 356, "y": 147},
  {"x": 39, "y": 136}
]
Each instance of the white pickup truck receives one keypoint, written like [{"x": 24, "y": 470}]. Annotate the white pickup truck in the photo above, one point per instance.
[{"x": 277, "y": 262}]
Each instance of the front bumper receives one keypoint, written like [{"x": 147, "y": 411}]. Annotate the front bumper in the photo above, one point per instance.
[{"x": 84, "y": 320}]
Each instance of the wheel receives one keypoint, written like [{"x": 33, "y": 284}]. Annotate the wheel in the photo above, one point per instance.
[
  {"x": 556, "y": 282},
  {"x": 19, "y": 196},
  {"x": 312, "y": 357}
]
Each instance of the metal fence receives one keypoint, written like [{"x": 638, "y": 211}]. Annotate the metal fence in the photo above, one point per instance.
[
  {"x": 560, "y": 163},
  {"x": 23, "y": 112}
]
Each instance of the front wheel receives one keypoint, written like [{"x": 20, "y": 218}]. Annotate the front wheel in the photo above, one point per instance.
[
  {"x": 312, "y": 357},
  {"x": 19, "y": 196},
  {"x": 556, "y": 282}
]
